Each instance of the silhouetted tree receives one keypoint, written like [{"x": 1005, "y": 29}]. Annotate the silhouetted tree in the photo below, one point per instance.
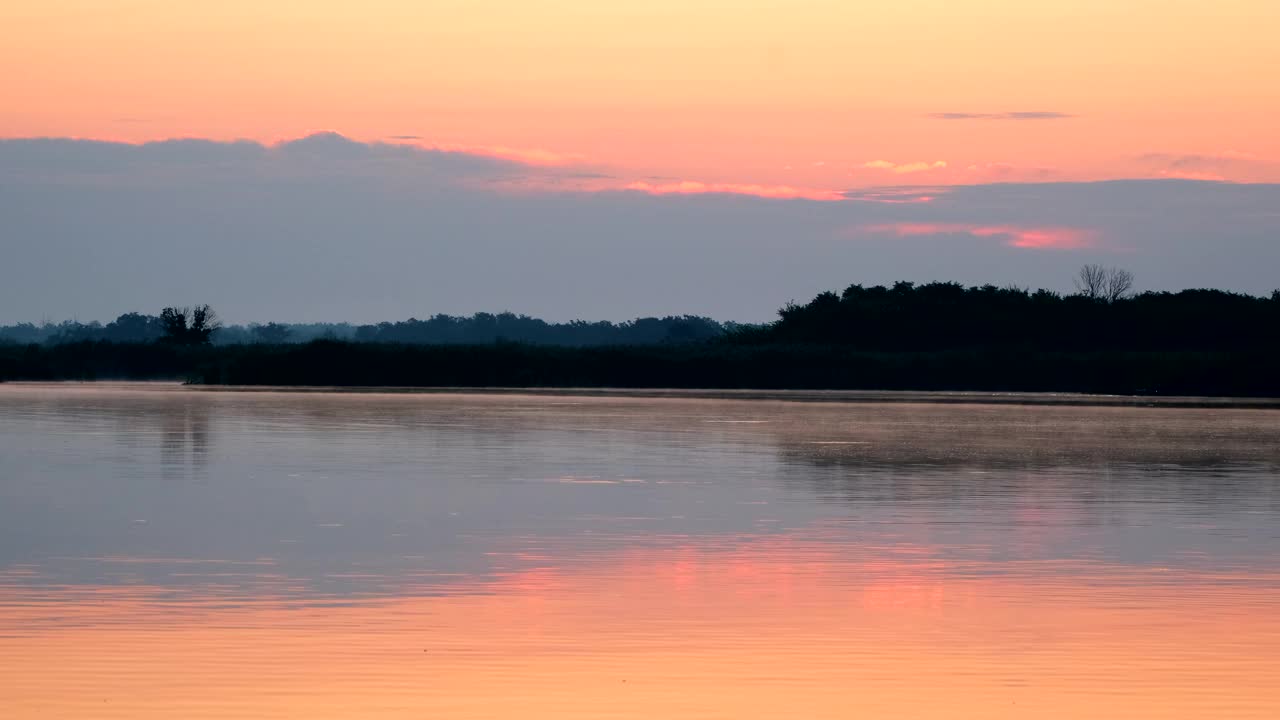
[
  {"x": 133, "y": 327},
  {"x": 179, "y": 330},
  {"x": 1091, "y": 281},
  {"x": 1106, "y": 284},
  {"x": 1119, "y": 284},
  {"x": 173, "y": 322}
]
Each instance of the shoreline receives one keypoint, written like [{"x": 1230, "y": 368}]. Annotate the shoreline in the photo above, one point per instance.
[{"x": 951, "y": 397}]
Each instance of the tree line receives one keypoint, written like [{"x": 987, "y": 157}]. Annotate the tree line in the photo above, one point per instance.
[
  {"x": 199, "y": 325},
  {"x": 1103, "y": 338},
  {"x": 1103, "y": 315}
]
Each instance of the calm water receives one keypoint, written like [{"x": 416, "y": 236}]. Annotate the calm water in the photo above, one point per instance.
[{"x": 167, "y": 553}]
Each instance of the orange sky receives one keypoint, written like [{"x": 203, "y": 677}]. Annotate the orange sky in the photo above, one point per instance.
[{"x": 820, "y": 94}]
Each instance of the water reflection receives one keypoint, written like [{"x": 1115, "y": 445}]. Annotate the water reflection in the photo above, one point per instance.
[
  {"x": 184, "y": 438},
  {"x": 170, "y": 553},
  {"x": 789, "y": 626}
]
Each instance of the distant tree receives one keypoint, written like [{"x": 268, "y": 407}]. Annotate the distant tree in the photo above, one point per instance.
[
  {"x": 483, "y": 328},
  {"x": 1119, "y": 284},
  {"x": 691, "y": 328},
  {"x": 69, "y": 331},
  {"x": 22, "y": 333},
  {"x": 173, "y": 322},
  {"x": 1106, "y": 284},
  {"x": 188, "y": 326},
  {"x": 1091, "y": 281},
  {"x": 272, "y": 333},
  {"x": 133, "y": 327}
]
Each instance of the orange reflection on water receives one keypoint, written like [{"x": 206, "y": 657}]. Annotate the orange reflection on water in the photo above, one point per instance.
[{"x": 787, "y": 627}]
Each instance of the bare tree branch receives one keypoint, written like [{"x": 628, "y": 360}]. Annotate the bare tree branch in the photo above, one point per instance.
[
  {"x": 1107, "y": 284},
  {"x": 1119, "y": 283},
  {"x": 1091, "y": 281}
]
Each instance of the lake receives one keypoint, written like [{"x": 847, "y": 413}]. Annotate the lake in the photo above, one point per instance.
[{"x": 176, "y": 553}]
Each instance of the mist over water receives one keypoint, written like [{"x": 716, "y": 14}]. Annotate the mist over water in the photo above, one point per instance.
[{"x": 174, "y": 553}]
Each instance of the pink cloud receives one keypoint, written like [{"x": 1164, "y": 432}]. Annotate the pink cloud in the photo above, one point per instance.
[
  {"x": 1223, "y": 166},
  {"x": 526, "y": 156},
  {"x": 1192, "y": 175},
  {"x": 531, "y": 156},
  {"x": 1057, "y": 238},
  {"x": 905, "y": 168},
  {"x": 691, "y": 187},
  {"x": 897, "y": 195},
  {"x": 1005, "y": 172}
]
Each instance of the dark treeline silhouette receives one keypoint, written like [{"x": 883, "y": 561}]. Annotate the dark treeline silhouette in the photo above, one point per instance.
[
  {"x": 935, "y": 336},
  {"x": 949, "y": 316},
  {"x": 439, "y": 329},
  {"x": 695, "y": 365},
  {"x": 509, "y": 327},
  {"x": 128, "y": 328}
]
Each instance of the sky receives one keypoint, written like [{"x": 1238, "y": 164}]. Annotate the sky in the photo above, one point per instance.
[{"x": 326, "y": 160}]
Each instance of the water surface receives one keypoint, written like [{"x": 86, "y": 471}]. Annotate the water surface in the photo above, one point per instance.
[{"x": 173, "y": 553}]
